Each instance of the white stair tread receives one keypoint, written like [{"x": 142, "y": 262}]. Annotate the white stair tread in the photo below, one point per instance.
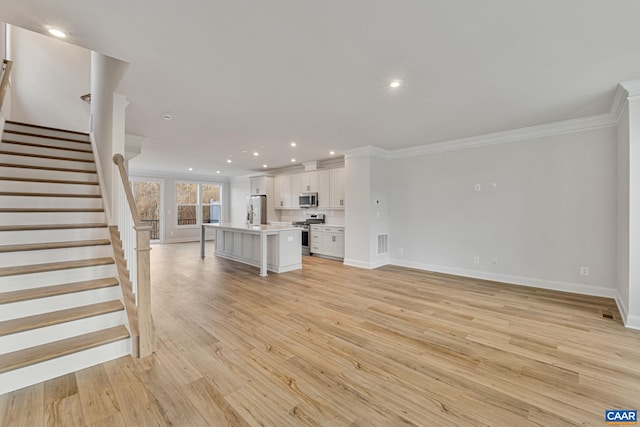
[
  {"x": 55, "y": 317},
  {"x": 41, "y": 353},
  {"x": 54, "y": 266},
  {"x": 49, "y": 291}
]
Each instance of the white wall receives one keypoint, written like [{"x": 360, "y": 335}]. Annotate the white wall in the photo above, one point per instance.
[
  {"x": 357, "y": 216},
  {"x": 633, "y": 318},
  {"x": 622, "y": 249},
  {"x": 240, "y": 188},
  {"x": 379, "y": 208},
  {"x": 107, "y": 119},
  {"x": 48, "y": 78},
  {"x": 553, "y": 211}
]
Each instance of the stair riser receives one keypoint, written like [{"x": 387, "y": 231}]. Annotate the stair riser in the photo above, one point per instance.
[
  {"x": 53, "y": 163},
  {"x": 44, "y": 236},
  {"x": 59, "y": 302},
  {"x": 45, "y": 151},
  {"x": 54, "y": 255},
  {"x": 23, "y": 218},
  {"x": 35, "y": 280},
  {"x": 50, "y": 202},
  {"x": 45, "y": 132},
  {"x": 54, "y": 368},
  {"x": 61, "y": 331},
  {"x": 48, "y": 187},
  {"x": 47, "y": 174},
  {"x": 46, "y": 141}
]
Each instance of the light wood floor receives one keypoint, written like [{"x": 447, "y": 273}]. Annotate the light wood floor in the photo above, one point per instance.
[{"x": 335, "y": 346}]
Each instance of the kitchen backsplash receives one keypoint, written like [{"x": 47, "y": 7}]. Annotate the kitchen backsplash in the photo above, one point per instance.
[{"x": 331, "y": 217}]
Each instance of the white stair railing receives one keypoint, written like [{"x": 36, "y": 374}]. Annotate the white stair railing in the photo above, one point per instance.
[{"x": 135, "y": 243}]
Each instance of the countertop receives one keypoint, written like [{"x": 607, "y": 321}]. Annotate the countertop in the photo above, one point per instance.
[{"x": 252, "y": 228}]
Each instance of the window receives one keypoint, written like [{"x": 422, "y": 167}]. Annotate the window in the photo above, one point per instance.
[
  {"x": 147, "y": 195},
  {"x": 210, "y": 198},
  {"x": 198, "y": 203}
]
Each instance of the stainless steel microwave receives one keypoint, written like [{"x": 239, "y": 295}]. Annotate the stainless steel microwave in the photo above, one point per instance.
[{"x": 308, "y": 200}]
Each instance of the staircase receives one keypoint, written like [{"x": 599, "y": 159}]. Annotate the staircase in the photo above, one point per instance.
[{"x": 61, "y": 306}]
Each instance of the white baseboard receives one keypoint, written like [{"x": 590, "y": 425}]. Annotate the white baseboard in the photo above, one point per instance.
[
  {"x": 358, "y": 263},
  {"x": 630, "y": 321},
  {"x": 622, "y": 307},
  {"x": 576, "y": 288},
  {"x": 633, "y": 322}
]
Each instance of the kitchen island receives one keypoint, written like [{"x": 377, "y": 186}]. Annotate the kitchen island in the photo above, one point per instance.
[{"x": 274, "y": 248}]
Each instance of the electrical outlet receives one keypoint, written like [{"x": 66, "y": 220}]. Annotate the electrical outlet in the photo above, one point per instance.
[
  {"x": 401, "y": 250},
  {"x": 476, "y": 260},
  {"x": 584, "y": 271}
]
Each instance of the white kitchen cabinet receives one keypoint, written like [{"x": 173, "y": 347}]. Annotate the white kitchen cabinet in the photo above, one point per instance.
[
  {"x": 315, "y": 239},
  {"x": 327, "y": 240},
  {"x": 324, "y": 189},
  {"x": 296, "y": 185},
  {"x": 282, "y": 192},
  {"x": 261, "y": 185},
  {"x": 337, "y": 193},
  {"x": 309, "y": 182}
]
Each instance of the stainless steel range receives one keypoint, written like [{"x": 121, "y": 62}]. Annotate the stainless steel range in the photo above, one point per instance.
[{"x": 311, "y": 218}]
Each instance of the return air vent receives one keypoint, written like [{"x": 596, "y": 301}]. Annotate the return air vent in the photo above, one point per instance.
[{"x": 383, "y": 244}]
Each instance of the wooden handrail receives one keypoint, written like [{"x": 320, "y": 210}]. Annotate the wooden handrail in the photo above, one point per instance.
[
  {"x": 4, "y": 84},
  {"x": 146, "y": 342},
  {"x": 118, "y": 159}
]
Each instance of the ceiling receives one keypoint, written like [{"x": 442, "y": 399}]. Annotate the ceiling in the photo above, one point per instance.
[{"x": 240, "y": 76}]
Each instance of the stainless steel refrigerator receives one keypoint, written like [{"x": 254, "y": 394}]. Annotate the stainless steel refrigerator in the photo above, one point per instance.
[{"x": 257, "y": 210}]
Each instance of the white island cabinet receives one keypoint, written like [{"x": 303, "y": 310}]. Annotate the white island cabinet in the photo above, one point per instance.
[{"x": 276, "y": 248}]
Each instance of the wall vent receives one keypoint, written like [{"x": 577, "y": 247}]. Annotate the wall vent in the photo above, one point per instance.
[{"x": 383, "y": 243}]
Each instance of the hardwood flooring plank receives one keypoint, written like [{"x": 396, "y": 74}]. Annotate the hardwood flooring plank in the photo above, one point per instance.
[
  {"x": 332, "y": 345},
  {"x": 97, "y": 398},
  {"x": 64, "y": 412}
]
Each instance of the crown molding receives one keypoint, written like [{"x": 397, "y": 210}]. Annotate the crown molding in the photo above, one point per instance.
[
  {"x": 368, "y": 151},
  {"x": 619, "y": 101},
  {"x": 632, "y": 87},
  {"x": 531, "y": 132},
  {"x": 133, "y": 145},
  {"x": 151, "y": 173}
]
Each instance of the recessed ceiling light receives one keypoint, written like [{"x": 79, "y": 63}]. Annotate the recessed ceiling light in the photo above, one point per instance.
[
  {"x": 395, "y": 83},
  {"x": 190, "y": 169},
  {"x": 293, "y": 144},
  {"x": 228, "y": 160},
  {"x": 57, "y": 33},
  {"x": 217, "y": 171},
  {"x": 264, "y": 166},
  {"x": 331, "y": 153},
  {"x": 293, "y": 160},
  {"x": 255, "y": 153},
  {"x": 167, "y": 116}
]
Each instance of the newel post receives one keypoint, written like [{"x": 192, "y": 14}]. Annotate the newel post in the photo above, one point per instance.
[{"x": 145, "y": 322}]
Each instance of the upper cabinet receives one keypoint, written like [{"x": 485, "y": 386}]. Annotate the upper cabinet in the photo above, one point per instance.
[
  {"x": 260, "y": 185},
  {"x": 309, "y": 182},
  {"x": 331, "y": 188},
  {"x": 324, "y": 189},
  {"x": 336, "y": 183},
  {"x": 296, "y": 185},
  {"x": 282, "y": 191},
  {"x": 328, "y": 183}
]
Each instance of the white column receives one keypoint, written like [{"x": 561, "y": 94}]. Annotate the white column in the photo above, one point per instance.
[{"x": 628, "y": 283}]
